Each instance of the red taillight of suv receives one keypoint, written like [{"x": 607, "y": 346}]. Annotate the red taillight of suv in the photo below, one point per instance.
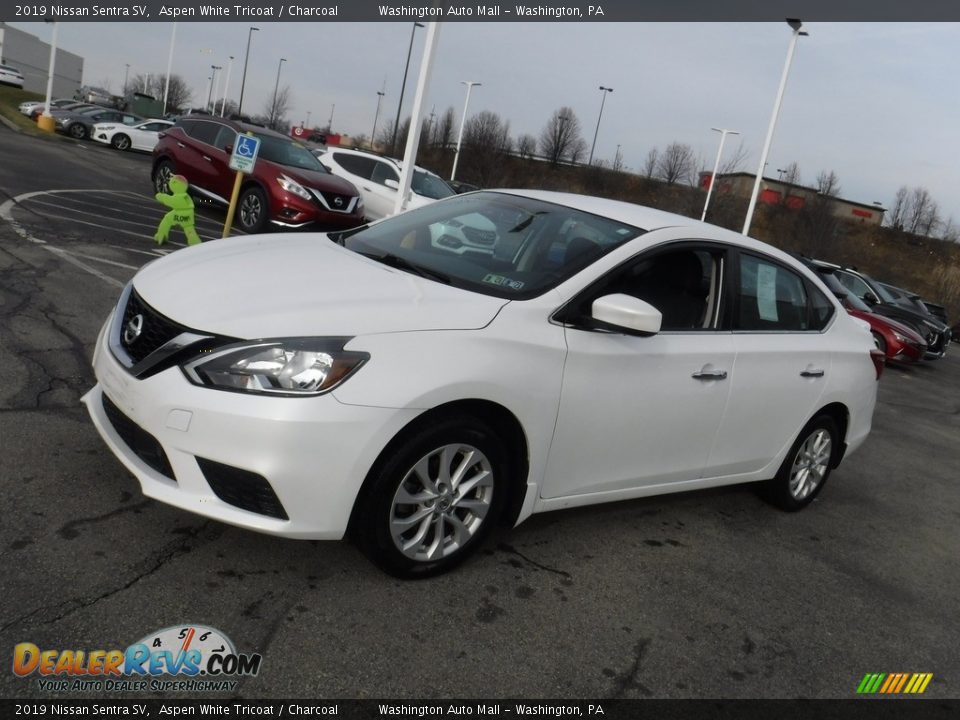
[{"x": 878, "y": 361}]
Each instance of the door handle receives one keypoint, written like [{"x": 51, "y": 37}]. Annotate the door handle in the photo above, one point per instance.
[
  {"x": 180, "y": 145},
  {"x": 207, "y": 159},
  {"x": 710, "y": 374},
  {"x": 812, "y": 372}
]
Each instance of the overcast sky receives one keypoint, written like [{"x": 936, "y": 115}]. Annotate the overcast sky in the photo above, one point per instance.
[{"x": 876, "y": 103}]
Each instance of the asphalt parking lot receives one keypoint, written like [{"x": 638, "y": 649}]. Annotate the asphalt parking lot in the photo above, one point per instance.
[{"x": 702, "y": 595}]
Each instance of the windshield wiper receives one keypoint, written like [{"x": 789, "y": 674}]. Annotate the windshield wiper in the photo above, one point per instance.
[{"x": 395, "y": 261}]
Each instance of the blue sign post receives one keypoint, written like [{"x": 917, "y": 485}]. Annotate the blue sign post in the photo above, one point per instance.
[{"x": 242, "y": 159}]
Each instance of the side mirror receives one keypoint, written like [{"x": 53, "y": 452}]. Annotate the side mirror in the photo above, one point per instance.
[
  {"x": 390, "y": 183},
  {"x": 871, "y": 298},
  {"x": 626, "y": 313},
  {"x": 228, "y": 148}
]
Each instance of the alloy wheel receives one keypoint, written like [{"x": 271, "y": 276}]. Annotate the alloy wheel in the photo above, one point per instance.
[
  {"x": 810, "y": 464},
  {"x": 442, "y": 502}
]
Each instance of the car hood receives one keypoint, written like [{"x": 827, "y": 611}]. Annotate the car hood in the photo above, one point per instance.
[
  {"x": 301, "y": 285},
  {"x": 878, "y": 320},
  {"x": 319, "y": 180}
]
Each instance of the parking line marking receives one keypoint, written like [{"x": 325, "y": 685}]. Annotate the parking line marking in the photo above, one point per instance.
[
  {"x": 94, "y": 214},
  {"x": 102, "y": 260},
  {"x": 82, "y": 265}
]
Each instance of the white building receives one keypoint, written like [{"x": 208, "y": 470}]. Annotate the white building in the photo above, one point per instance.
[{"x": 31, "y": 56}]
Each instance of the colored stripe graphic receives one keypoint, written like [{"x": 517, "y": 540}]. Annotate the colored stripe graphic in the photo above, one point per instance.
[{"x": 894, "y": 683}]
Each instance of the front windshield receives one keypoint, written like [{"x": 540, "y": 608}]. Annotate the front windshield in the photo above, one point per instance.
[
  {"x": 848, "y": 299},
  {"x": 493, "y": 243},
  {"x": 286, "y": 152},
  {"x": 884, "y": 294},
  {"x": 429, "y": 185}
]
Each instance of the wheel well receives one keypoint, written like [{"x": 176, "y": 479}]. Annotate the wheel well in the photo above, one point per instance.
[
  {"x": 499, "y": 419},
  {"x": 841, "y": 416}
]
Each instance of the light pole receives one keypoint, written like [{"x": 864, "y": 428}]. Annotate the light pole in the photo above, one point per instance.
[
  {"x": 276, "y": 86},
  {"x": 463, "y": 120},
  {"x": 796, "y": 24},
  {"x": 226, "y": 86},
  {"x": 330, "y": 121},
  {"x": 212, "y": 94},
  {"x": 246, "y": 58},
  {"x": 605, "y": 90},
  {"x": 166, "y": 85},
  {"x": 713, "y": 178},
  {"x": 46, "y": 121},
  {"x": 307, "y": 124},
  {"x": 376, "y": 116},
  {"x": 396, "y": 124},
  {"x": 126, "y": 77}
]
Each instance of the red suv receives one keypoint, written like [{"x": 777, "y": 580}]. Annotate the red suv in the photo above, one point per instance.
[{"x": 288, "y": 186}]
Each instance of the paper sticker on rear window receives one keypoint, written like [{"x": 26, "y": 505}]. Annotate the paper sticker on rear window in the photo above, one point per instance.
[{"x": 503, "y": 281}]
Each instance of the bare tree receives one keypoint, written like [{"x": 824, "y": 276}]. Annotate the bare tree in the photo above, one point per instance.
[
  {"x": 276, "y": 109},
  {"x": 922, "y": 214},
  {"x": 676, "y": 164},
  {"x": 486, "y": 140},
  {"x": 897, "y": 214},
  {"x": 650, "y": 162},
  {"x": 179, "y": 94},
  {"x": 526, "y": 146},
  {"x": 442, "y": 135},
  {"x": 560, "y": 138},
  {"x": 828, "y": 185},
  {"x": 618, "y": 160},
  {"x": 791, "y": 174},
  {"x": 734, "y": 163}
]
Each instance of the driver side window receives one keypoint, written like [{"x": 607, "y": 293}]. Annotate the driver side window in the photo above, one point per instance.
[{"x": 383, "y": 172}]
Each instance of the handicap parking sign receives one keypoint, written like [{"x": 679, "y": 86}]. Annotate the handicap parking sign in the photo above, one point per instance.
[{"x": 244, "y": 154}]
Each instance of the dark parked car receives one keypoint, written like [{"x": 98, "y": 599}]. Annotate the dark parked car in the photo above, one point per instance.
[
  {"x": 79, "y": 125},
  {"x": 288, "y": 186},
  {"x": 936, "y": 333},
  {"x": 60, "y": 106},
  {"x": 897, "y": 340}
]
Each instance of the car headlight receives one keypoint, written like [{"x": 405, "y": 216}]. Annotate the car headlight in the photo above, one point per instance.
[
  {"x": 292, "y": 186},
  {"x": 899, "y": 337},
  {"x": 290, "y": 366}
]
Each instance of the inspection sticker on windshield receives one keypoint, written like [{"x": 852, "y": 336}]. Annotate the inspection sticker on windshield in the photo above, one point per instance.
[{"x": 503, "y": 281}]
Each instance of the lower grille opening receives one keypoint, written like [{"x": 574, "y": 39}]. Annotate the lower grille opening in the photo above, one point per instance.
[
  {"x": 242, "y": 489},
  {"x": 143, "y": 444}
]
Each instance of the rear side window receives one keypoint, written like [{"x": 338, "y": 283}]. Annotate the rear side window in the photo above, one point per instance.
[
  {"x": 225, "y": 136},
  {"x": 361, "y": 166},
  {"x": 205, "y": 132},
  {"x": 771, "y": 297},
  {"x": 821, "y": 309},
  {"x": 383, "y": 172}
]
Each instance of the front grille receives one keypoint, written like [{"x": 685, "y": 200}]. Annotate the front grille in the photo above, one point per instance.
[
  {"x": 329, "y": 200},
  {"x": 479, "y": 237},
  {"x": 242, "y": 489},
  {"x": 143, "y": 444},
  {"x": 155, "y": 331}
]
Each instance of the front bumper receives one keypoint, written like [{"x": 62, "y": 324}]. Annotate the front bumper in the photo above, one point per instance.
[{"x": 313, "y": 452}]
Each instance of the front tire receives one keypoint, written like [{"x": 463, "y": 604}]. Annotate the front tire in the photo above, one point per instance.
[
  {"x": 161, "y": 176},
  {"x": 432, "y": 503},
  {"x": 77, "y": 131},
  {"x": 120, "y": 142},
  {"x": 807, "y": 466},
  {"x": 252, "y": 210}
]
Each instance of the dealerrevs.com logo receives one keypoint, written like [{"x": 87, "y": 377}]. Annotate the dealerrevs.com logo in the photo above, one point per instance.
[{"x": 199, "y": 658}]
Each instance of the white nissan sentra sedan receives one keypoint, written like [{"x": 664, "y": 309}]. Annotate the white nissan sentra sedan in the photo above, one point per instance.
[{"x": 385, "y": 385}]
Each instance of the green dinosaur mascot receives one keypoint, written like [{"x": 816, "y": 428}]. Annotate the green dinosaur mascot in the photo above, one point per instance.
[{"x": 181, "y": 211}]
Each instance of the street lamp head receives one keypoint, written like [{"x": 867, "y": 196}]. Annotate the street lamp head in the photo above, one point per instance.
[
  {"x": 254, "y": 29},
  {"x": 795, "y": 23},
  {"x": 606, "y": 89},
  {"x": 416, "y": 24}
]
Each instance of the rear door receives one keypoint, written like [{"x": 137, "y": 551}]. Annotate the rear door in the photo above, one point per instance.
[{"x": 782, "y": 366}]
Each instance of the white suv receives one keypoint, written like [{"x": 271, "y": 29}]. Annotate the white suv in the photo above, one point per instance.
[{"x": 378, "y": 180}]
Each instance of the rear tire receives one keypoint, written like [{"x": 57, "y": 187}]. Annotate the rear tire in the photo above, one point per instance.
[
  {"x": 432, "y": 503},
  {"x": 806, "y": 467}
]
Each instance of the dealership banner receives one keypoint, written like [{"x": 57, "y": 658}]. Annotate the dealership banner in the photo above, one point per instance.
[{"x": 260, "y": 11}]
